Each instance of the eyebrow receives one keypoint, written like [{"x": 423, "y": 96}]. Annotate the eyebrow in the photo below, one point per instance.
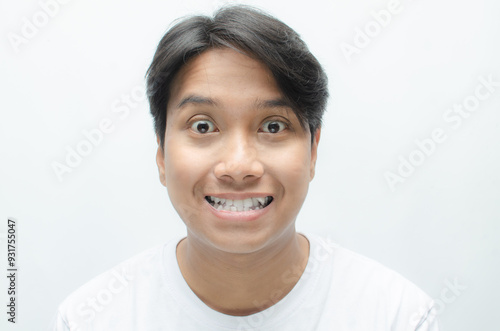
[
  {"x": 273, "y": 103},
  {"x": 259, "y": 104},
  {"x": 197, "y": 100}
]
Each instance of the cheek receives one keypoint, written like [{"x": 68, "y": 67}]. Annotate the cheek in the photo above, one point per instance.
[
  {"x": 183, "y": 161},
  {"x": 291, "y": 168},
  {"x": 180, "y": 168},
  {"x": 293, "y": 161},
  {"x": 183, "y": 170}
]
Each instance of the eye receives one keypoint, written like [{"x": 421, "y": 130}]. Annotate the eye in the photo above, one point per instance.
[
  {"x": 273, "y": 126},
  {"x": 203, "y": 126}
]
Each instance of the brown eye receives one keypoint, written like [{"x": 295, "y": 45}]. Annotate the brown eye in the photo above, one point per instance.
[
  {"x": 203, "y": 126},
  {"x": 273, "y": 126}
]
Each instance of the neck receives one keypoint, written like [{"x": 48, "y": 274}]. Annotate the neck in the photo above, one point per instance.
[{"x": 243, "y": 284}]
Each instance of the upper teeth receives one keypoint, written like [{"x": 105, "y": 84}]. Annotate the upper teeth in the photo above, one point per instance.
[{"x": 239, "y": 205}]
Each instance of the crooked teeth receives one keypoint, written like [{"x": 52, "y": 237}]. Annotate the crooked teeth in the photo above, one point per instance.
[
  {"x": 247, "y": 203},
  {"x": 239, "y": 205}
]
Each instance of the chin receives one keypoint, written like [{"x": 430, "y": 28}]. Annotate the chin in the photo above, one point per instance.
[{"x": 242, "y": 242}]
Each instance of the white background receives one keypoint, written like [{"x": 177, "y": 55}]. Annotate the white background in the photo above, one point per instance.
[{"x": 439, "y": 226}]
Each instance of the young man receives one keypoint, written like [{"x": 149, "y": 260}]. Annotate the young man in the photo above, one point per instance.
[{"x": 237, "y": 102}]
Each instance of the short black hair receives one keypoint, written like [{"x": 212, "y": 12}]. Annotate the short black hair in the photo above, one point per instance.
[{"x": 297, "y": 72}]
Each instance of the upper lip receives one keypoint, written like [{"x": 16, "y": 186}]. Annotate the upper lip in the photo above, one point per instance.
[{"x": 239, "y": 196}]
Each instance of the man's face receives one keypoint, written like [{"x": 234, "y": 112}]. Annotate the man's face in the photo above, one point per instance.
[{"x": 236, "y": 162}]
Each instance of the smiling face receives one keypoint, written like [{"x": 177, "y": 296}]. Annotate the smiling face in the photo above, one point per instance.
[{"x": 236, "y": 161}]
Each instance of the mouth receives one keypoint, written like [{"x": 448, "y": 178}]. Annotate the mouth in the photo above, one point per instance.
[{"x": 239, "y": 205}]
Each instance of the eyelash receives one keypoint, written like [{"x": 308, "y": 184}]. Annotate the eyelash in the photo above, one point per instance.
[
  {"x": 285, "y": 126},
  {"x": 203, "y": 121}
]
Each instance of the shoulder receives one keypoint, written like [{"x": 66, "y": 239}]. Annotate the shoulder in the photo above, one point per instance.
[
  {"x": 355, "y": 268},
  {"x": 126, "y": 271},
  {"x": 114, "y": 289},
  {"x": 364, "y": 285}
]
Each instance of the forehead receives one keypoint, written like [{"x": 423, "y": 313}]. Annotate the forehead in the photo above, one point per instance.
[{"x": 225, "y": 75}]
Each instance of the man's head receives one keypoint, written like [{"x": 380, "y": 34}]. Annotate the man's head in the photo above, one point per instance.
[
  {"x": 237, "y": 113},
  {"x": 296, "y": 71}
]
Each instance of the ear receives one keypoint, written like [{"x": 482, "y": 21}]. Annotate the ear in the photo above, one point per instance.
[
  {"x": 160, "y": 161},
  {"x": 314, "y": 151}
]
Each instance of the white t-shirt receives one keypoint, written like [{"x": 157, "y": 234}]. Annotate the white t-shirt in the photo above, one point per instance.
[{"x": 339, "y": 290}]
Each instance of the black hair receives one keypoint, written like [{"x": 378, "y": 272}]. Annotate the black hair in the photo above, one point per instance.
[{"x": 297, "y": 72}]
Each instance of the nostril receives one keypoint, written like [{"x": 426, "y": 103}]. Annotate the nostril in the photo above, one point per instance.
[{"x": 244, "y": 170}]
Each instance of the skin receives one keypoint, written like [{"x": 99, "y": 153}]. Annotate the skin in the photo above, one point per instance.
[{"x": 238, "y": 263}]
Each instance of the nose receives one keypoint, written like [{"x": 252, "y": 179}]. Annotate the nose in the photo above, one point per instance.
[{"x": 238, "y": 161}]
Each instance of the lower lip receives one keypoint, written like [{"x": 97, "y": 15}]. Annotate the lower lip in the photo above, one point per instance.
[{"x": 238, "y": 216}]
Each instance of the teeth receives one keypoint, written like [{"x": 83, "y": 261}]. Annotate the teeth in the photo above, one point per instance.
[
  {"x": 247, "y": 203},
  {"x": 239, "y": 205}
]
